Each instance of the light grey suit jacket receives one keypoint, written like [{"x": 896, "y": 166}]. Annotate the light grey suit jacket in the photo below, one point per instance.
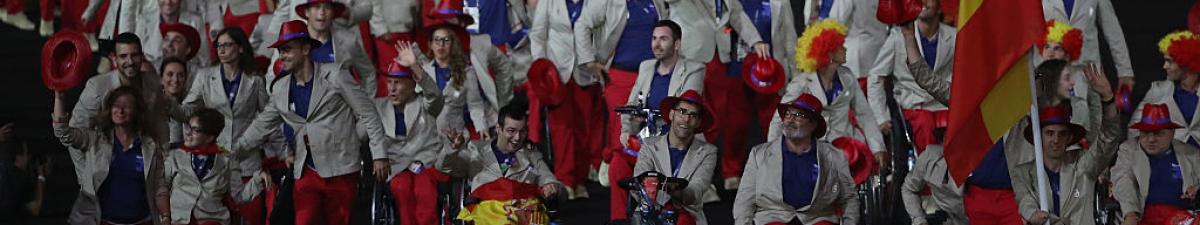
[
  {"x": 687, "y": 75},
  {"x": 392, "y": 16},
  {"x": 760, "y": 196},
  {"x": 699, "y": 21},
  {"x": 865, "y": 36},
  {"x": 599, "y": 29},
  {"x": 477, "y": 162},
  {"x": 208, "y": 91},
  {"x": 421, "y": 141},
  {"x": 837, "y": 112},
  {"x": 893, "y": 60},
  {"x": 122, "y": 15},
  {"x": 1163, "y": 92},
  {"x": 553, "y": 37},
  {"x": 336, "y": 107},
  {"x": 931, "y": 171},
  {"x": 1088, "y": 16},
  {"x": 95, "y": 151},
  {"x": 1077, "y": 178},
  {"x": 697, "y": 167},
  {"x": 194, "y": 198},
  {"x": 1131, "y": 173},
  {"x": 457, "y": 98}
]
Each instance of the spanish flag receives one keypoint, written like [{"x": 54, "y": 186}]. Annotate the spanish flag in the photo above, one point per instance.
[{"x": 990, "y": 92}]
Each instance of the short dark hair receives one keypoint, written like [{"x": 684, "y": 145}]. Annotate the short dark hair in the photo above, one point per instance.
[
  {"x": 128, "y": 38},
  {"x": 172, "y": 60},
  {"x": 517, "y": 109},
  {"x": 211, "y": 121},
  {"x": 676, "y": 31}
]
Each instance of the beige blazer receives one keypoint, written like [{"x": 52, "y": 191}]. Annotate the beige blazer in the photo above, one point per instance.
[
  {"x": 337, "y": 106},
  {"x": 485, "y": 59},
  {"x": 390, "y": 16},
  {"x": 1131, "y": 173},
  {"x": 599, "y": 29},
  {"x": 783, "y": 37},
  {"x": 930, "y": 171},
  {"x": 421, "y": 143},
  {"x": 121, "y": 17},
  {"x": 699, "y": 21},
  {"x": 1163, "y": 92},
  {"x": 760, "y": 196},
  {"x": 697, "y": 167},
  {"x": 95, "y": 150},
  {"x": 552, "y": 36},
  {"x": 687, "y": 75},
  {"x": 865, "y": 37},
  {"x": 1089, "y": 16},
  {"x": 837, "y": 112},
  {"x": 195, "y": 198},
  {"x": 1077, "y": 178},
  {"x": 208, "y": 91},
  {"x": 893, "y": 60},
  {"x": 477, "y": 162},
  {"x": 456, "y": 98}
]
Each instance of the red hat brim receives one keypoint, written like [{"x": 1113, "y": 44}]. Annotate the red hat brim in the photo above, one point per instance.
[
  {"x": 544, "y": 82},
  {"x": 821, "y": 128},
  {"x": 898, "y": 11},
  {"x": 65, "y": 59},
  {"x": 859, "y": 158},
  {"x": 774, "y": 81},
  {"x": 1160, "y": 126},
  {"x": 424, "y": 36},
  {"x": 1079, "y": 131},
  {"x": 339, "y": 9},
  {"x": 188, "y": 32},
  {"x": 669, "y": 103}
]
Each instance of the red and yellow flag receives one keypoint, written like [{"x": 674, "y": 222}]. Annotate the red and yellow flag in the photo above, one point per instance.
[{"x": 990, "y": 92}]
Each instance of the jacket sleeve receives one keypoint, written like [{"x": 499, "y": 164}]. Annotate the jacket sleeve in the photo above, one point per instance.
[
  {"x": 458, "y": 162},
  {"x": 263, "y": 125},
  {"x": 1023, "y": 188},
  {"x": 357, "y": 98},
  {"x": 193, "y": 100},
  {"x": 544, "y": 175},
  {"x": 539, "y": 33},
  {"x": 701, "y": 180},
  {"x": 1125, "y": 188},
  {"x": 73, "y": 137},
  {"x": 938, "y": 88},
  {"x": 866, "y": 118},
  {"x": 742, "y": 23},
  {"x": 1105, "y": 148},
  {"x": 913, "y": 183},
  {"x": 360, "y": 11},
  {"x": 744, "y": 203},
  {"x": 430, "y": 96},
  {"x": 477, "y": 104},
  {"x": 629, "y": 123},
  {"x": 162, "y": 196},
  {"x": 1116, "y": 38},
  {"x": 588, "y": 24},
  {"x": 88, "y": 106}
]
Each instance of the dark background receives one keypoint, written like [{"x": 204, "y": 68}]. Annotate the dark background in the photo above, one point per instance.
[{"x": 25, "y": 101}]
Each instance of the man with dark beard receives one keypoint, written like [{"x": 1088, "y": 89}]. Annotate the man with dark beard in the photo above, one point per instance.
[{"x": 682, "y": 155}]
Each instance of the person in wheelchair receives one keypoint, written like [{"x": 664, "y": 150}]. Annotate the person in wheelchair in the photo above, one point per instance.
[
  {"x": 930, "y": 170},
  {"x": 411, "y": 138},
  {"x": 1156, "y": 177},
  {"x": 508, "y": 177},
  {"x": 797, "y": 179},
  {"x": 681, "y": 155}
]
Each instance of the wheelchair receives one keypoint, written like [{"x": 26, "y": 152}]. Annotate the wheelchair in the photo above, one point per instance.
[{"x": 648, "y": 203}]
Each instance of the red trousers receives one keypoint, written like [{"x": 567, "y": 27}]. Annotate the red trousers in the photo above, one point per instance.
[
  {"x": 620, "y": 167},
  {"x": 571, "y": 133},
  {"x": 385, "y": 50},
  {"x": 1158, "y": 214},
  {"x": 324, "y": 200},
  {"x": 14, "y": 6},
  {"x": 730, "y": 100},
  {"x": 417, "y": 195},
  {"x": 923, "y": 123},
  {"x": 253, "y": 212},
  {"x": 616, "y": 94},
  {"x": 991, "y": 206},
  {"x": 71, "y": 13}
]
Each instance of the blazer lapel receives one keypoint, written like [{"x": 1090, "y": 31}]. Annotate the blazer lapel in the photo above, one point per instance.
[
  {"x": 387, "y": 116},
  {"x": 412, "y": 112},
  {"x": 285, "y": 94},
  {"x": 216, "y": 87},
  {"x": 1066, "y": 191},
  {"x": 243, "y": 87},
  {"x": 677, "y": 78},
  {"x": 148, "y": 155},
  {"x": 816, "y": 88},
  {"x": 944, "y": 51},
  {"x": 318, "y": 90},
  {"x": 1141, "y": 171},
  {"x": 1057, "y": 7},
  {"x": 1185, "y": 166},
  {"x": 690, "y": 160},
  {"x": 184, "y": 163},
  {"x": 663, "y": 154}
]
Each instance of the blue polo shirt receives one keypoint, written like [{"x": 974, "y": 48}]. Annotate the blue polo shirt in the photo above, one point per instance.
[
  {"x": 832, "y": 92},
  {"x": 442, "y": 76},
  {"x": 800, "y": 173},
  {"x": 574, "y": 9},
  {"x": 760, "y": 14},
  {"x": 929, "y": 49},
  {"x": 676, "y": 159},
  {"x": 1055, "y": 187},
  {"x": 298, "y": 98},
  {"x": 1069, "y": 5},
  {"x": 231, "y": 86},
  {"x": 1186, "y": 100},
  {"x": 504, "y": 160},
  {"x": 1166, "y": 180},
  {"x": 823, "y": 11},
  {"x": 201, "y": 164},
  {"x": 401, "y": 126},
  {"x": 992, "y": 172},
  {"x": 496, "y": 25},
  {"x": 659, "y": 85},
  {"x": 634, "y": 45},
  {"x": 324, "y": 53},
  {"x": 123, "y": 193}
]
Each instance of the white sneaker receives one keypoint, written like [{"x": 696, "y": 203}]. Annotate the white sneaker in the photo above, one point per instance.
[
  {"x": 593, "y": 174},
  {"x": 46, "y": 28},
  {"x": 4, "y": 17},
  {"x": 20, "y": 21},
  {"x": 732, "y": 183}
]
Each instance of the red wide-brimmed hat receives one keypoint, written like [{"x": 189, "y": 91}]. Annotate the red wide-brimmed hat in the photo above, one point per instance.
[
  {"x": 811, "y": 107},
  {"x": 858, "y": 156},
  {"x": 394, "y": 69},
  {"x": 669, "y": 103},
  {"x": 189, "y": 32},
  {"x": 1155, "y": 117},
  {"x": 451, "y": 9},
  {"x": 1056, "y": 115},
  {"x": 764, "y": 75},
  {"x": 293, "y": 30},
  {"x": 544, "y": 82},
  {"x": 425, "y": 36},
  {"x": 339, "y": 8},
  {"x": 898, "y": 11},
  {"x": 65, "y": 59}
]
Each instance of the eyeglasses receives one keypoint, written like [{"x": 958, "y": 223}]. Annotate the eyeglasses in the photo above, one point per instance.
[
  {"x": 794, "y": 115},
  {"x": 226, "y": 45},
  {"x": 687, "y": 113},
  {"x": 191, "y": 130},
  {"x": 441, "y": 39}
]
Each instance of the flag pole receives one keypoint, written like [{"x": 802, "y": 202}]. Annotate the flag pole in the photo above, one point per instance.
[{"x": 1036, "y": 126}]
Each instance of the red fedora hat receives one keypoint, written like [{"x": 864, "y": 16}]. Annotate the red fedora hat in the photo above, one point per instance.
[
  {"x": 293, "y": 30},
  {"x": 898, "y": 11},
  {"x": 858, "y": 157},
  {"x": 189, "y": 32},
  {"x": 669, "y": 103},
  {"x": 339, "y": 8},
  {"x": 394, "y": 69},
  {"x": 451, "y": 9},
  {"x": 1155, "y": 117},
  {"x": 765, "y": 76},
  {"x": 811, "y": 106},
  {"x": 545, "y": 83},
  {"x": 1056, "y": 115},
  {"x": 65, "y": 59}
]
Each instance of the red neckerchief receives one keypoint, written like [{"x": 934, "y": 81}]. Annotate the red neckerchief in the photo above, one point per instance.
[{"x": 205, "y": 150}]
